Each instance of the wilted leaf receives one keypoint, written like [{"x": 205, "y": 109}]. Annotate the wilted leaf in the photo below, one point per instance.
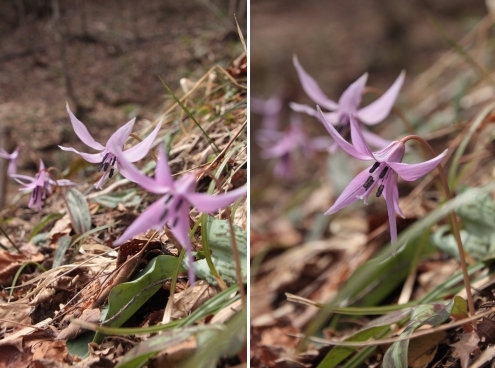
[
  {"x": 465, "y": 346},
  {"x": 62, "y": 246}
]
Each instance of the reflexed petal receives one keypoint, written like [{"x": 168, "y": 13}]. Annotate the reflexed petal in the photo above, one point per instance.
[
  {"x": 16, "y": 177},
  {"x": 351, "y": 193},
  {"x": 351, "y": 98},
  {"x": 379, "y": 109},
  {"x": 120, "y": 136},
  {"x": 208, "y": 203},
  {"x": 375, "y": 140},
  {"x": 90, "y": 157},
  {"x": 181, "y": 233},
  {"x": 346, "y": 146},
  {"x": 391, "y": 212},
  {"x": 303, "y": 108},
  {"x": 358, "y": 139},
  {"x": 312, "y": 88},
  {"x": 130, "y": 171},
  {"x": 411, "y": 172},
  {"x": 62, "y": 182},
  {"x": 147, "y": 220},
  {"x": 392, "y": 181},
  {"x": 140, "y": 150},
  {"x": 163, "y": 175},
  {"x": 82, "y": 132}
]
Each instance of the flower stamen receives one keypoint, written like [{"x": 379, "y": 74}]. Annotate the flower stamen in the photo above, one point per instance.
[
  {"x": 380, "y": 190},
  {"x": 374, "y": 167},
  {"x": 368, "y": 183},
  {"x": 383, "y": 173}
]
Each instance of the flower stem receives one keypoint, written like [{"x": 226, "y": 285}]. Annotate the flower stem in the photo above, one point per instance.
[{"x": 455, "y": 224}]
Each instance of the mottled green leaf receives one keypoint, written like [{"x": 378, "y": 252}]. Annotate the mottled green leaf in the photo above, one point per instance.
[{"x": 78, "y": 206}]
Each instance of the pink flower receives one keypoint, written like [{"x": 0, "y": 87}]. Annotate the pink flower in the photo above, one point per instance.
[
  {"x": 40, "y": 186},
  {"x": 348, "y": 105},
  {"x": 174, "y": 206},
  {"x": 13, "y": 159},
  {"x": 107, "y": 158}
]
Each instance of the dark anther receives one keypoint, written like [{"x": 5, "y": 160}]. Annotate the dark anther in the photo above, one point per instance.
[
  {"x": 169, "y": 198},
  {"x": 105, "y": 167},
  {"x": 368, "y": 183},
  {"x": 103, "y": 162},
  {"x": 111, "y": 173},
  {"x": 35, "y": 193},
  {"x": 178, "y": 204},
  {"x": 113, "y": 161},
  {"x": 380, "y": 190},
  {"x": 174, "y": 223},
  {"x": 384, "y": 172},
  {"x": 163, "y": 215},
  {"x": 374, "y": 167}
]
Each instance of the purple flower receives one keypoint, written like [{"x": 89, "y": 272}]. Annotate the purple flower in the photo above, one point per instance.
[
  {"x": 280, "y": 145},
  {"x": 348, "y": 105},
  {"x": 270, "y": 109},
  {"x": 13, "y": 159},
  {"x": 173, "y": 208},
  {"x": 107, "y": 158},
  {"x": 383, "y": 173},
  {"x": 40, "y": 185}
]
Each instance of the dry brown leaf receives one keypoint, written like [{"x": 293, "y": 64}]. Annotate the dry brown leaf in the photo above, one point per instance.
[
  {"x": 192, "y": 298},
  {"x": 9, "y": 264},
  {"x": 71, "y": 331},
  {"x": 423, "y": 350},
  {"x": 465, "y": 346},
  {"x": 16, "y": 313},
  {"x": 49, "y": 350},
  {"x": 11, "y": 357},
  {"x": 171, "y": 356}
]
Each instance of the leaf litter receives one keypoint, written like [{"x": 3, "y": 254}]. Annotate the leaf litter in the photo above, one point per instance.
[
  {"x": 319, "y": 283},
  {"x": 72, "y": 280}
]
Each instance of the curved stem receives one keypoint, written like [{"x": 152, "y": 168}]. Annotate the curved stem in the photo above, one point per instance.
[{"x": 455, "y": 224}]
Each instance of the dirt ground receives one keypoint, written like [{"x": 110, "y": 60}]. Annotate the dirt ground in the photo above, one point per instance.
[{"x": 106, "y": 60}]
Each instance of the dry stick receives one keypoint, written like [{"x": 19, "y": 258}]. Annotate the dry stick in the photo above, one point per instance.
[
  {"x": 10, "y": 240},
  {"x": 455, "y": 225}
]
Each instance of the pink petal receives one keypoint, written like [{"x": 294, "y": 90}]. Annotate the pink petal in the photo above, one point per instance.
[
  {"x": 379, "y": 109},
  {"x": 140, "y": 150},
  {"x": 303, "y": 108},
  {"x": 82, "y": 132},
  {"x": 351, "y": 98},
  {"x": 181, "y": 233},
  {"x": 312, "y": 88},
  {"x": 391, "y": 206},
  {"x": 346, "y": 146},
  {"x": 147, "y": 220},
  {"x": 207, "y": 203},
  {"x": 351, "y": 193},
  {"x": 375, "y": 140},
  {"x": 392, "y": 181},
  {"x": 411, "y": 172},
  {"x": 357, "y": 138},
  {"x": 90, "y": 157},
  {"x": 163, "y": 175},
  {"x": 120, "y": 136},
  {"x": 272, "y": 106},
  {"x": 130, "y": 171}
]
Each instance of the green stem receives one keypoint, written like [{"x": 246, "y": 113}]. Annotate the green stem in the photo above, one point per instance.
[{"x": 455, "y": 224}]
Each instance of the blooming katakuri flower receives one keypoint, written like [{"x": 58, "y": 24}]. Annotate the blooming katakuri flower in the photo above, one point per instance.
[
  {"x": 348, "y": 105},
  {"x": 40, "y": 185},
  {"x": 12, "y": 157},
  {"x": 281, "y": 145},
  {"x": 106, "y": 158},
  {"x": 383, "y": 173},
  {"x": 174, "y": 206}
]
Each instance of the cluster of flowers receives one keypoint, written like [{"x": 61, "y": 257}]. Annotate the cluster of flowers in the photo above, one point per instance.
[
  {"x": 177, "y": 196},
  {"x": 346, "y": 116}
]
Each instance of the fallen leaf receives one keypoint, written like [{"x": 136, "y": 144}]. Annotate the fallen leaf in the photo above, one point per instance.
[{"x": 465, "y": 346}]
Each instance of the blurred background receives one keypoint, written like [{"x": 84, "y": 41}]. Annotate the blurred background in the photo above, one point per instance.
[
  {"x": 105, "y": 59},
  {"x": 338, "y": 41}
]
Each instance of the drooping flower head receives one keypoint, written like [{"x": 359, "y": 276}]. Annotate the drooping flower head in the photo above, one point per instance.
[
  {"x": 348, "y": 105},
  {"x": 174, "y": 206},
  {"x": 383, "y": 173},
  {"x": 40, "y": 186},
  {"x": 12, "y": 157},
  {"x": 107, "y": 158}
]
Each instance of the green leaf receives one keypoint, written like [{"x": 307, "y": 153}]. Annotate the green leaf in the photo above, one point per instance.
[
  {"x": 425, "y": 314},
  {"x": 62, "y": 246},
  {"x": 127, "y": 197},
  {"x": 125, "y": 299},
  {"x": 220, "y": 244},
  {"x": 140, "y": 354},
  {"x": 79, "y": 210},
  {"x": 376, "y": 327},
  {"x": 44, "y": 221},
  {"x": 79, "y": 345}
]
